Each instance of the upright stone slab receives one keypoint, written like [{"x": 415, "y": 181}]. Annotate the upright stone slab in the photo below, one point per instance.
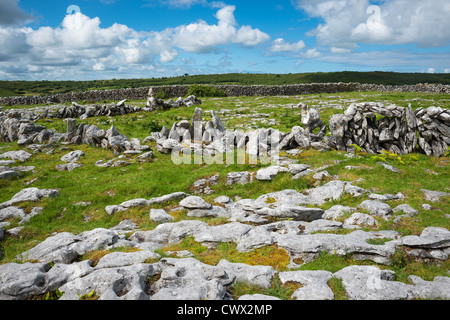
[
  {"x": 217, "y": 122},
  {"x": 197, "y": 128},
  {"x": 71, "y": 128}
]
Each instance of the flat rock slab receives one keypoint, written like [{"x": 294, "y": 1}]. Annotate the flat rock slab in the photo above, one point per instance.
[
  {"x": 160, "y": 215},
  {"x": 195, "y": 202},
  {"x": 167, "y": 233},
  {"x": 297, "y": 213},
  {"x": 333, "y": 190},
  {"x": 377, "y": 208},
  {"x": 21, "y": 155},
  {"x": 20, "y": 281},
  {"x": 189, "y": 279},
  {"x": 73, "y": 156},
  {"x": 30, "y": 194},
  {"x": 11, "y": 174},
  {"x": 284, "y": 197},
  {"x": 68, "y": 166},
  {"x": 65, "y": 247},
  {"x": 434, "y": 196},
  {"x": 308, "y": 246},
  {"x": 314, "y": 284},
  {"x": 255, "y": 275},
  {"x": 144, "y": 202},
  {"x": 123, "y": 259},
  {"x": 371, "y": 283},
  {"x": 230, "y": 232},
  {"x": 430, "y": 238},
  {"x": 123, "y": 283}
]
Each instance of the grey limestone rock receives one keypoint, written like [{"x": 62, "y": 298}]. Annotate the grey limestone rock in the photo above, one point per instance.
[
  {"x": 22, "y": 281},
  {"x": 68, "y": 166},
  {"x": 407, "y": 209},
  {"x": 56, "y": 249},
  {"x": 230, "y": 232},
  {"x": 284, "y": 197},
  {"x": 377, "y": 208},
  {"x": 301, "y": 137},
  {"x": 297, "y": 213},
  {"x": 371, "y": 283},
  {"x": 30, "y": 194},
  {"x": 333, "y": 190},
  {"x": 167, "y": 233},
  {"x": 439, "y": 288},
  {"x": 389, "y": 167},
  {"x": 195, "y": 202},
  {"x": 123, "y": 259},
  {"x": 307, "y": 246},
  {"x": 20, "y": 155},
  {"x": 256, "y": 275},
  {"x": 430, "y": 238},
  {"x": 434, "y": 196},
  {"x": 337, "y": 211},
  {"x": 73, "y": 156},
  {"x": 361, "y": 219},
  {"x": 267, "y": 174},
  {"x": 122, "y": 283},
  {"x": 11, "y": 213},
  {"x": 257, "y": 296},
  {"x": 242, "y": 177},
  {"x": 9, "y": 174},
  {"x": 213, "y": 212},
  {"x": 297, "y": 168},
  {"x": 144, "y": 202},
  {"x": 65, "y": 247},
  {"x": 315, "y": 284},
  {"x": 189, "y": 279},
  {"x": 160, "y": 215}
]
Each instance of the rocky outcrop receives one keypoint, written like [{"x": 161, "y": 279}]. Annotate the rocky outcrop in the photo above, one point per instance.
[
  {"x": 154, "y": 103},
  {"x": 83, "y": 112},
  {"x": 301, "y": 230},
  {"x": 26, "y": 132},
  {"x": 132, "y": 275}
]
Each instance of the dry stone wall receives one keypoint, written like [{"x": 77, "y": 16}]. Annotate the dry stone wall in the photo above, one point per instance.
[
  {"x": 400, "y": 130},
  {"x": 230, "y": 90}
]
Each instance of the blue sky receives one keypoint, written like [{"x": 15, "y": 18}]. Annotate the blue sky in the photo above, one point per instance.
[{"x": 109, "y": 39}]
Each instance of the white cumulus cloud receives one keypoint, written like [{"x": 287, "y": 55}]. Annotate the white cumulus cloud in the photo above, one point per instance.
[
  {"x": 346, "y": 23},
  {"x": 200, "y": 37},
  {"x": 280, "y": 45},
  {"x": 80, "y": 42}
]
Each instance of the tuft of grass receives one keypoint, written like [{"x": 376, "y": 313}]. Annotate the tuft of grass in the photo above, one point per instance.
[
  {"x": 378, "y": 241},
  {"x": 277, "y": 289},
  {"x": 338, "y": 289}
]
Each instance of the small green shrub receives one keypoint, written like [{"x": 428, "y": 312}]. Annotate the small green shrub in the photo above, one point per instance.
[
  {"x": 162, "y": 95},
  {"x": 205, "y": 91}
]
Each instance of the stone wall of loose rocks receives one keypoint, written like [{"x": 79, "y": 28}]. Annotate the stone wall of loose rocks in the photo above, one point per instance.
[
  {"x": 401, "y": 131},
  {"x": 230, "y": 90},
  {"x": 398, "y": 130},
  {"x": 92, "y": 96}
]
